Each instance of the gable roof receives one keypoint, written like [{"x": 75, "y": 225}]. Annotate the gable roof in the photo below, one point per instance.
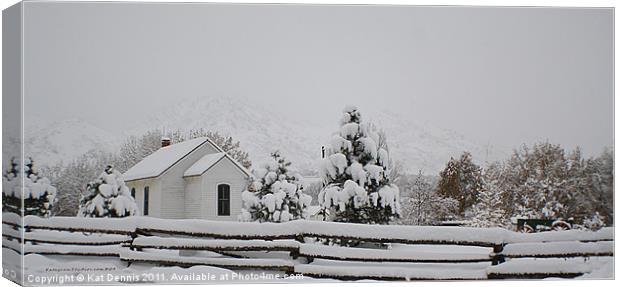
[
  {"x": 206, "y": 162},
  {"x": 161, "y": 160}
]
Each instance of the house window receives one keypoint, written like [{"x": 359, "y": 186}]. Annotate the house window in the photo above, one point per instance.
[
  {"x": 133, "y": 192},
  {"x": 223, "y": 200},
  {"x": 146, "y": 201}
]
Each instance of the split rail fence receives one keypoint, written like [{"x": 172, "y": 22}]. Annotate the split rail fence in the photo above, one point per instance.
[{"x": 498, "y": 253}]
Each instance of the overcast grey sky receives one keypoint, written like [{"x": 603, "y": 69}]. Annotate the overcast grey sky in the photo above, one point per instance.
[{"x": 499, "y": 75}]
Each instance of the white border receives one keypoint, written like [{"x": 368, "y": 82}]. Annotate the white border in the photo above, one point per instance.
[
  {"x": 509, "y": 3},
  {"x": 535, "y": 3}
]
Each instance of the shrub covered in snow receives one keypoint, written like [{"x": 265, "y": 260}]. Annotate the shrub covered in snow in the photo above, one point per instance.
[
  {"x": 38, "y": 194},
  {"x": 275, "y": 194},
  {"x": 594, "y": 222},
  {"x": 357, "y": 186},
  {"x": 422, "y": 205},
  {"x": 107, "y": 196}
]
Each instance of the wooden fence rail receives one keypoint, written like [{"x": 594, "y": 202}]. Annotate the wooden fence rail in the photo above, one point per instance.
[{"x": 504, "y": 254}]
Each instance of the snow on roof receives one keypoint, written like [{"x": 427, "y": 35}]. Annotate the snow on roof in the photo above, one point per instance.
[
  {"x": 165, "y": 157},
  {"x": 204, "y": 163},
  {"x": 207, "y": 161}
]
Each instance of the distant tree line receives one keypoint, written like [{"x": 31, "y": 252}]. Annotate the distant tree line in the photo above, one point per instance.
[
  {"x": 542, "y": 181},
  {"x": 360, "y": 183}
]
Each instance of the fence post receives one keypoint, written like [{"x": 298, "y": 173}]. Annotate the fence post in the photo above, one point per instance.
[
  {"x": 133, "y": 235},
  {"x": 498, "y": 257},
  {"x": 295, "y": 253}
]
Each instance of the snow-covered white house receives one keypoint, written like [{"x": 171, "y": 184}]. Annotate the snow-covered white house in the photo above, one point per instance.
[{"x": 190, "y": 179}]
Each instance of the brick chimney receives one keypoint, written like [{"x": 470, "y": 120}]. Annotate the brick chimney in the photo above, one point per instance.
[{"x": 165, "y": 142}]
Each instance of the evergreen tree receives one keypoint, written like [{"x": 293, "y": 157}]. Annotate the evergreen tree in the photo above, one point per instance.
[
  {"x": 275, "y": 194},
  {"x": 38, "y": 194},
  {"x": 107, "y": 196},
  {"x": 450, "y": 181},
  {"x": 71, "y": 177},
  {"x": 489, "y": 211},
  {"x": 357, "y": 186},
  {"x": 462, "y": 181},
  {"x": 393, "y": 168},
  {"x": 11, "y": 188}
]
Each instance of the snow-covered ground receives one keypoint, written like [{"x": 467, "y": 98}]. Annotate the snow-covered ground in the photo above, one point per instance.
[
  {"x": 82, "y": 270},
  {"x": 63, "y": 269}
]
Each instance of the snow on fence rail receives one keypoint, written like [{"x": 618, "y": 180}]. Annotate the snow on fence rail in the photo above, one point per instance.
[
  {"x": 295, "y": 229},
  {"x": 383, "y": 255},
  {"x": 163, "y": 241},
  {"x": 558, "y": 249},
  {"x": 126, "y": 226},
  {"x": 66, "y": 235},
  {"x": 540, "y": 268},
  {"x": 605, "y": 234},
  {"x": 487, "y": 237},
  {"x": 186, "y": 261},
  {"x": 156, "y": 242}
]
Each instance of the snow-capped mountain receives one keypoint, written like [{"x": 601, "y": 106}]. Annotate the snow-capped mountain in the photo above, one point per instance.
[
  {"x": 62, "y": 141},
  {"x": 261, "y": 130},
  {"x": 423, "y": 146}
]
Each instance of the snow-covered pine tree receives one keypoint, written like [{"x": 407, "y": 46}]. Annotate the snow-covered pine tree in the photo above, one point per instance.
[
  {"x": 71, "y": 177},
  {"x": 11, "y": 189},
  {"x": 38, "y": 194},
  {"x": 489, "y": 212},
  {"x": 107, "y": 196},
  {"x": 394, "y": 168},
  {"x": 357, "y": 187},
  {"x": 275, "y": 193}
]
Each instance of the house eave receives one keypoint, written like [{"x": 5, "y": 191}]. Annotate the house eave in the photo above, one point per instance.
[
  {"x": 142, "y": 178},
  {"x": 226, "y": 155}
]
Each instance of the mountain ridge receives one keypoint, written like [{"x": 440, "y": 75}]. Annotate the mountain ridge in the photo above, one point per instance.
[{"x": 261, "y": 130}]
